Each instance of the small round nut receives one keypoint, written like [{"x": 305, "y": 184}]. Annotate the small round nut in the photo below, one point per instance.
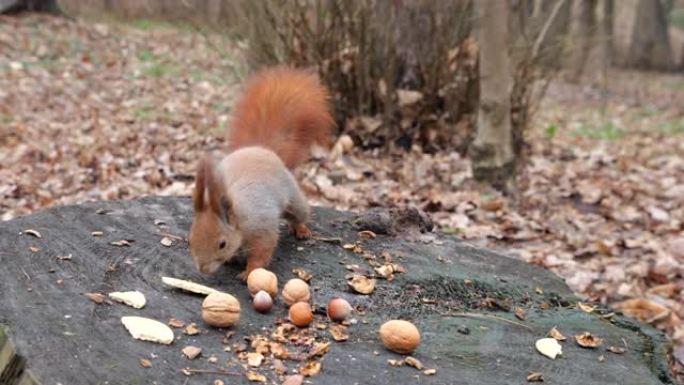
[
  {"x": 301, "y": 314},
  {"x": 338, "y": 309},
  {"x": 400, "y": 336},
  {"x": 220, "y": 310},
  {"x": 262, "y": 302},
  {"x": 296, "y": 290},
  {"x": 262, "y": 279}
]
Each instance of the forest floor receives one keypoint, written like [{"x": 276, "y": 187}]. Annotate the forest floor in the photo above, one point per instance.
[{"x": 116, "y": 111}]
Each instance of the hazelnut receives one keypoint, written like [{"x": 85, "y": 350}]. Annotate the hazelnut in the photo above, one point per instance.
[
  {"x": 300, "y": 314},
  {"x": 296, "y": 290},
  {"x": 220, "y": 310},
  {"x": 338, "y": 309},
  {"x": 262, "y": 279},
  {"x": 262, "y": 302},
  {"x": 400, "y": 336}
]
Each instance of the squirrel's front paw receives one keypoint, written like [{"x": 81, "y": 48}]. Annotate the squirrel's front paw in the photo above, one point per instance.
[
  {"x": 243, "y": 276},
  {"x": 301, "y": 231}
]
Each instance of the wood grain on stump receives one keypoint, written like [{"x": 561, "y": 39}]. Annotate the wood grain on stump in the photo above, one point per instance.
[{"x": 461, "y": 298}]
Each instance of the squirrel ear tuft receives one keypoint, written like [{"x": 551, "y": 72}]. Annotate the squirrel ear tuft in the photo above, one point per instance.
[
  {"x": 201, "y": 183},
  {"x": 226, "y": 208}
]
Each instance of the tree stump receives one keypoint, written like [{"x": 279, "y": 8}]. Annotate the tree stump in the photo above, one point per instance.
[{"x": 462, "y": 298}]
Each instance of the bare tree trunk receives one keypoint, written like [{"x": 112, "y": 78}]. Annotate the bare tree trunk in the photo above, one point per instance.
[
  {"x": 47, "y": 6},
  {"x": 608, "y": 26},
  {"x": 650, "y": 47},
  {"x": 491, "y": 152},
  {"x": 584, "y": 30}
]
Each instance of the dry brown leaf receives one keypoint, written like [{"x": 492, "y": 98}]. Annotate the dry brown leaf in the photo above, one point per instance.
[
  {"x": 310, "y": 369},
  {"x": 254, "y": 359},
  {"x": 362, "y": 285},
  {"x": 120, "y": 243},
  {"x": 520, "y": 313},
  {"x": 191, "y": 329},
  {"x": 302, "y": 274},
  {"x": 174, "y": 323},
  {"x": 643, "y": 309},
  {"x": 588, "y": 340},
  {"x": 33, "y": 232},
  {"x": 338, "y": 332},
  {"x": 145, "y": 363},
  {"x": 255, "y": 377},
  {"x": 414, "y": 362},
  {"x": 616, "y": 349},
  {"x": 279, "y": 367},
  {"x": 385, "y": 271},
  {"x": 295, "y": 379},
  {"x": 367, "y": 234},
  {"x": 98, "y": 298},
  {"x": 319, "y": 349},
  {"x": 535, "y": 377},
  {"x": 555, "y": 333},
  {"x": 191, "y": 352},
  {"x": 586, "y": 307},
  {"x": 393, "y": 362}
]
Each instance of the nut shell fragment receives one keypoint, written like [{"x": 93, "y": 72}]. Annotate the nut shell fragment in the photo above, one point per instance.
[
  {"x": 133, "y": 299},
  {"x": 548, "y": 347},
  {"x": 188, "y": 286},
  {"x": 147, "y": 329}
]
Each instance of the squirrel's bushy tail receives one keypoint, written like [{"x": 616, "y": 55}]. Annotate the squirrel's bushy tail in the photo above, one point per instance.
[{"x": 285, "y": 110}]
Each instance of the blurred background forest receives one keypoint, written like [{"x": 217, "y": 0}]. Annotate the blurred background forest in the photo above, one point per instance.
[{"x": 115, "y": 99}]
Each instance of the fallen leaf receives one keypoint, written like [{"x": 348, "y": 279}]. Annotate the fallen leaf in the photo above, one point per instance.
[
  {"x": 585, "y": 307},
  {"x": 616, "y": 349},
  {"x": 549, "y": 347},
  {"x": 393, "y": 362},
  {"x": 145, "y": 363},
  {"x": 338, "y": 332},
  {"x": 166, "y": 241},
  {"x": 557, "y": 334},
  {"x": 191, "y": 352},
  {"x": 535, "y": 377},
  {"x": 33, "y": 232},
  {"x": 385, "y": 271},
  {"x": 255, "y": 377},
  {"x": 254, "y": 359},
  {"x": 362, "y": 285},
  {"x": 302, "y": 274},
  {"x": 279, "y": 367},
  {"x": 588, "y": 340},
  {"x": 311, "y": 368},
  {"x": 643, "y": 309},
  {"x": 174, "y": 323},
  {"x": 520, "y": 313},
  {"x": 191, "y": 329},
  {"x": 98, "y": 298},
  {"x": 295, "y": 379},
  {"x": 414, "y": 362},
  {"x": 319, "y": 349}
]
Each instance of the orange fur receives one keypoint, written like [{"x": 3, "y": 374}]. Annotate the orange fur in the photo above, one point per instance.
[{"x": 285, "y": 110}]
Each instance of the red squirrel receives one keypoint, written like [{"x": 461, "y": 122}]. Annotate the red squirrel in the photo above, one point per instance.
[{"x": 240, "y": 198}]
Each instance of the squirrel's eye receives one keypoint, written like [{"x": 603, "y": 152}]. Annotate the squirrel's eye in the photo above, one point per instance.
[{"x": 222, "y": 245}]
